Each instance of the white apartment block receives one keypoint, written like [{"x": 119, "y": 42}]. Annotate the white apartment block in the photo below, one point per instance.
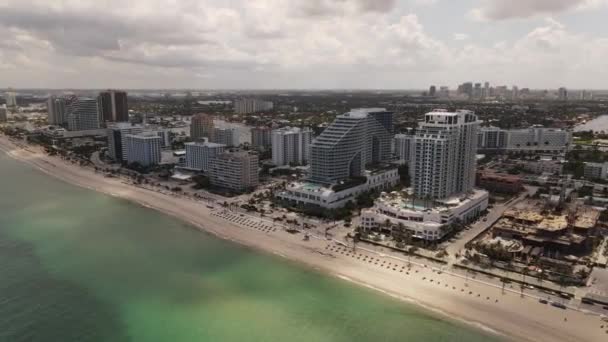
[
  {"x": 291, "y": 145},
  {"x": 117, "y": 142},
  {"x": 82, "y": 114},
  {"x": 404, "y": 148},
  {"x": 445, "y": 150},
  {"x": 248, "y": 105},
  {"x": 199, "y": 154},
  {"x": 143, "y": 148},
  {"x": 534, "y": 139},
  {"x": 354, "y": 140},
  {"x": 596, "y": 171},
  {"x": 236, "y": 171},
  {"x": 546, "y": 164}
]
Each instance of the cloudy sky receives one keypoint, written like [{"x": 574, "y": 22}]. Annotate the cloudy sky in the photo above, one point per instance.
[{"x": 397, "y": 44}]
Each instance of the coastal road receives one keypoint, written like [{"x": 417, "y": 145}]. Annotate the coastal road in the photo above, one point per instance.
[{"x": 481, "y": 225}]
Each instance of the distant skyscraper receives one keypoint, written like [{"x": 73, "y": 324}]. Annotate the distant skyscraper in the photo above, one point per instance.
[
  {"x": 113, "y": 106},
  {"x": 432, "y": 91},
  {"x": 515, "y": 93},
  {"x": 201, "y": 126},
  {"x": 466, "y": 88},
  {"x": 291, "y": 145},
  {"x": 82, "y": 113},
  {"x": 3, "y": 116},
  {"x": 445, "y": 160},
  {"x": 143, "y": 148},
  {"x": 352, "y": 141},
  {"x": 562, "y": 94},
  {"x": 11, "y": 99},
  {"x": 477, "y": 92},
  {"x": 444, "y": 92},
  {"x": 56, "y": 111},
  {"x": 247, "y": 106}
]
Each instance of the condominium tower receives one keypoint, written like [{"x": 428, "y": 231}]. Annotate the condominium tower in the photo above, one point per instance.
[
  {"x": 113, "y": 106},
  {"x": 56, "y": 111},
  {"x": 445, "y": 148},
  {"x": 234, "y": 170},
  {"x": 291, "y": 145}
]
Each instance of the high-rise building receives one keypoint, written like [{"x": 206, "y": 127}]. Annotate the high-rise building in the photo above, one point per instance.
[
  {"x": 404, "y": 147},
  {"x": 291, "y": 145},
  {"x": 466, "y": 89},
  {"x": 82, "y": 113},
  {"x": 236, "y": 171},
  {"x": 248, "y": 105},
  {"x": 228, "y": 136},
  {"x": 143, "y": 148},
  {"x": 3, "y": 116},
  {"x": 201, "y": 126},
  {"x": 56, "y": 111},
  {"x": 117, "y": 142},
  {"x": 199, "y": 154},
  {"x": 113, "y": 106},
  {"x": 562, "y": 94},
  {"x": 352, "y": 141},
  {"x": 261, "y": 138},
  {"x": 11, "y": 99},
  {"x": 444, "y": 92},
  {"x": 445, "y": 151},
  {"x": 432, "y": 91}
]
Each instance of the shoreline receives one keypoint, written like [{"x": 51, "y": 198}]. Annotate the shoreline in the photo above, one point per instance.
[{"x": 535, "y": 323}]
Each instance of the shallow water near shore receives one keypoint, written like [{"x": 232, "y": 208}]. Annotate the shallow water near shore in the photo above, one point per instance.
[{"x": 76, "y": 265}]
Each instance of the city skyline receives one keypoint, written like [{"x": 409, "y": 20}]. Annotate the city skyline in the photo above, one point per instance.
[{"x": 268, "y": 44}]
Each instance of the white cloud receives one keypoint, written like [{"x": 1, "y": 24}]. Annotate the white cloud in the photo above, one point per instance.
[
  {"x": 271, "y": 44},
  {"x": 509, "y": 9}
]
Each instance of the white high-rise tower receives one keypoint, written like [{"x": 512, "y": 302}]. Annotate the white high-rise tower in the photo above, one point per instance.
[{"x": 444, "y": 161}]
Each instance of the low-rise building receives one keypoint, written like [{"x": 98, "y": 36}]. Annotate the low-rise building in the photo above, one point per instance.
[
  {"x": 502, "y": 183},
  {"x": 426, "y": 220},
  {"x": 546, "y": 164},
  {"x": 237, "y": 171},
  {"x": 596, "y": 170},
  {"x": 336, "y": 196}
]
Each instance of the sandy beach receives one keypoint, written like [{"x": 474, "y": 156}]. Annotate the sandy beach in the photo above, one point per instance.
[{"x": 474, "y": 303}]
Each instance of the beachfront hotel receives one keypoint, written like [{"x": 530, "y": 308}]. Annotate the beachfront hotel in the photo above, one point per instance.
[
  {"x": 199, "y": 154},
  {"x": 143, "y": 148},
  {"x": 443, "y": 168},
  {"x": 347, "y": 159},
  {"x": 82, "y": 113},
  {"x": 117, "y": 142}
]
